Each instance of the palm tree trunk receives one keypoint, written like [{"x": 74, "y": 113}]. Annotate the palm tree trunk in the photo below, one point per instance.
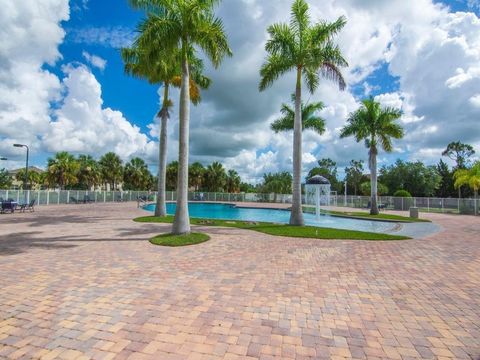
[
  {"x": 372, "y": 162},
  {"x": 296, "y": 215},
  {"x": 160, "y": 209},
  {"x": 181, "y": 223}
]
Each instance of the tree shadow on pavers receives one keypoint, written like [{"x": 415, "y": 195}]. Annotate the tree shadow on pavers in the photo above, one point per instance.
[
  {"x": 23, "y": 242},
  {"x": 144, "y": 232},
  {"x": 49, "y": 220}
]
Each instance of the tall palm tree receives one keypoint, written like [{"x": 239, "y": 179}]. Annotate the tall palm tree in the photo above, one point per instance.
[
  {"x": 233, "y": 181},
  {"x": 184, "y": 24},
  {"x": 309, "y": 50},
  {"x": 63, "y": 169},
  {"x": 111, "y": 169},
  {"x": 309, "y": 118},
  {"x": 160, "y": 67},
  {"x": 88, "y": 173},
  {"x": 376, "y": 126},
  {"x": 470, "y": 177},
  {"x": 215, "y": 177},
  {"x": 172, "y": 175}
]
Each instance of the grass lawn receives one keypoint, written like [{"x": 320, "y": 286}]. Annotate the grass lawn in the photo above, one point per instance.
[
  {"x": 179, "y": 240},
  {"x": 282, "y": 230}
]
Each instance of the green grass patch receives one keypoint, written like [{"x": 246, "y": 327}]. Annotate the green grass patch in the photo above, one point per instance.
[
  {"x": 179, "y": 240},
  {"x": 312, "y": 232}
]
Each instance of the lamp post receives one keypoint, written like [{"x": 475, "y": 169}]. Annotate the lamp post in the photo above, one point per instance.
[{"x": 25, "y": 182}]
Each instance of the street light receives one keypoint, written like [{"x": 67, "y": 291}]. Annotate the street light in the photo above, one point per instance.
[{"x": 25, "y": 182}]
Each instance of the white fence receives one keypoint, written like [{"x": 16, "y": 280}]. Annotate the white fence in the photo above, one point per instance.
[{"x": 48, "y": 197}]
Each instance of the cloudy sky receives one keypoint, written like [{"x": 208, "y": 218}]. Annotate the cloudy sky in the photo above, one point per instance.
[{"x": 62, "y": 85}]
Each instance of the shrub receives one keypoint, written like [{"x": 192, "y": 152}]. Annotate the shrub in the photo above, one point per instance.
[
  {"x": 365, "y": 188},
  {"x": 402, "y": 193}
]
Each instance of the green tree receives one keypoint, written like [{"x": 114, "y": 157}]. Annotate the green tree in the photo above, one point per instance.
[
  {"x": 354, "y": 174},
  {"x": 63, "y": 170},
  {"x": 158, "y": 66},
  {"x": 136, "y": 175},
  {"x": 196, "y": 173},
  {"x": 233, "y": 181},
  {"x": 415, "y": 177},
  {"x": 277, "y": 183},
  {"x": 376, "y": 126},
  {"x": 215, "y": 177},
  {"x": 328, "y": 169},
  {"x": 310, "y": 119},
  {"x": 471, "y": 178},
  {"x": 171, "y": 176},
  {"x": 88, "y": 173},
  {"x": 33, "y": 177},
  {"x": 309, "y": 50},
  {"x": 460, "y": 153},
  {"x": 5, "y": 179},
  {"x": 247, "y": 188},
  {"x": 111, "y": 169},
  {"x": 182, "y": 24},
  {"x": 446, "y": 186},
  {"x": 366, "y": 188}
]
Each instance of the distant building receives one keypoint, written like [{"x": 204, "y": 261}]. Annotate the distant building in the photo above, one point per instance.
[{"x": 18, "y": 183}]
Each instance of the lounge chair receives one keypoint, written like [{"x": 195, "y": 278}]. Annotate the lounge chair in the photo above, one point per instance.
[
  {"x": 8, "y": 206},
  {"x": 29, "y": 206},
  {"x": 74, "y": 200},
  {"x": 86, "y": 199}
]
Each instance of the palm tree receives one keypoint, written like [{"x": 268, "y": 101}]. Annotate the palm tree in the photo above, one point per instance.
[
  {"x": 376, "y": 126},
  {"x": 171, "y": 176},
  {"x": 470, "y": 177},
  {"x": 196, "y": 172},
  {"x": 310, "y": 51},
  {"x": 309, "y": 118},
  {"x": 181, "y": 24},
  {"x": 88, "y": 173},
  {"x": 233, "y": 181},
  {"x": 111, "y": 169},
  {"x": 160, "y": 67},
  {"x": 215, "y": 177},
  {"x": 63, "y": 169},
  {"x": 136, "y": 175}
]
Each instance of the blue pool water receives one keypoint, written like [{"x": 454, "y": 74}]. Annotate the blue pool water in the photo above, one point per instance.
[{"x": 231, "y": 212}]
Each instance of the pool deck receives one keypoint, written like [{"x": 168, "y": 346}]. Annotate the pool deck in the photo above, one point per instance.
[{"x": 82, "y": 281}]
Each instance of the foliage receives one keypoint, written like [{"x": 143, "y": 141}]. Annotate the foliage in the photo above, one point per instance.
[
  {"x": 232, "y": 184},
  {"x": 445, "y": 187},
  {"x": 354, "y": 174},
  {"x": 414, "y": 177},
  {"x": 172, "y": 174},
  {"x": 278, "y": 183},
  {"x": 5, "y": 179},
  {"x": 365, "y": 188},
  {"x": 196, "y": 173},
  {"x": 402, "y": 193},
  {"x": 460, "y": 153},
  {"x": 310, "y": 120},
  {"x": 89, "y": 172},
  {"x": 215, "y": 177},
  {"x": 179, "y": 240},
  {"x": 247, "y": 188},
  {"x": 111, "y": 168},
  {"x": 63, "y": 170},
  {"x": 328, "y": 169},
  {"x": 136, "y": 175},
  {"x": 311, "y": 232},
  {"x": 469, "y": 177}
]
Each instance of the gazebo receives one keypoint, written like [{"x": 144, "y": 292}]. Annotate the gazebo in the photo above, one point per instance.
[{"x": 317, "y": 192}]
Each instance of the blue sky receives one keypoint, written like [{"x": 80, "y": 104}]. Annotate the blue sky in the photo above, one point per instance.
[{"x": 80, "y": 100}]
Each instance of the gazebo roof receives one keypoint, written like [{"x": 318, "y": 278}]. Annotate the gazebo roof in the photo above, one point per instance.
[{"x": 317, "y": 180}]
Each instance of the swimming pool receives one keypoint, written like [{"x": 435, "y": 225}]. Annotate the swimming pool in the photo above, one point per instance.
[{"x": 231, "y": 212}]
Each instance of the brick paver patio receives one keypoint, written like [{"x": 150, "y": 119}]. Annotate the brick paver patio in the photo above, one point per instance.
[{"x": 81, "y": 281}]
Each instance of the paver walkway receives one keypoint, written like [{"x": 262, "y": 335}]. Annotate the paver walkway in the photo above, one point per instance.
[{"x": 81, "y": 281}]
